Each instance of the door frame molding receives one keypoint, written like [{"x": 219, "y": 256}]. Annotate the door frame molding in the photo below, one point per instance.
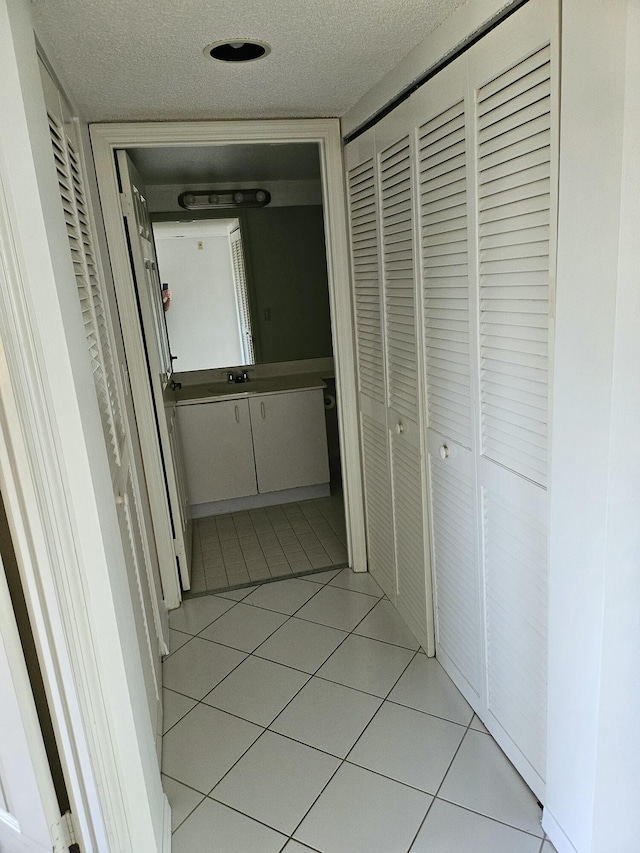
[{"x": 107, "y": 138}]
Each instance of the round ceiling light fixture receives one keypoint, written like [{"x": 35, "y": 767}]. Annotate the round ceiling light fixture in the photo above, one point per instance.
[{"x": 237, "y": 50}]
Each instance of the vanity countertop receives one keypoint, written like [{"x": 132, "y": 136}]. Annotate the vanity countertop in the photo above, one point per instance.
[{"x": 214, "y": 391}]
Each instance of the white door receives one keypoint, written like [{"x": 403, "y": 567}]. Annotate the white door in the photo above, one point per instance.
[
  {"x": 370, "y": 343},
  {"x": 156, "y": 343},
  {"x": 27, "y": 798},
  {"x": 142, "y": 569},
  {"x": 289, "y": 440}
]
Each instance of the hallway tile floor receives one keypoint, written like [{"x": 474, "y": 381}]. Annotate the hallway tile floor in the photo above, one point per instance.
[
  {"x": 301, "y": 715},
  {"x": 260, "y": 544}
]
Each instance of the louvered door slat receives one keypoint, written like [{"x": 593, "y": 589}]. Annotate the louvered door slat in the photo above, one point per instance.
[
  {"x": 378, "y": 503},
  {"x": 366, "y": 274},
  {"x": 443, "y": 193},
  {"x": 399, "y": 274},
  {"x": 456, "y": 573},
  {"x": 513, "y": 208}
]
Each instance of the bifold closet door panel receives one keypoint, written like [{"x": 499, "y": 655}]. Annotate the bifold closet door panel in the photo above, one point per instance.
[
  {"x": 512, "y": 74},
  {"x": 372, "y": 395},
  {"x": 397, "y": 181},
  {"x": 446, "y": 220}
]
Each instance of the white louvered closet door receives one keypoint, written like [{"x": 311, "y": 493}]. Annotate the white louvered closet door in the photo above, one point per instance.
[
  {"x": 372, "y": 394},
  {"x": 400, "y": 309},
  {"x": 446, "y": 223},
  {"x": 513, "y": 125},
  {"x": 142, "y": 568}
]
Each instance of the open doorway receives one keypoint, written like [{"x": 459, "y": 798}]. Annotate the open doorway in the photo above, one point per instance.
[{"x": 305, "y": 528}]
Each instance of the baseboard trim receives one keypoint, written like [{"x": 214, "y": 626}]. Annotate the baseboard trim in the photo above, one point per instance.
[
  {"x": 556, "y": 834},
  {"x": 286, "y": 496}
]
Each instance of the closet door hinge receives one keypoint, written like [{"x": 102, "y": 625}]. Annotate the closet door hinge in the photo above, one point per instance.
[
  {"x": 64, "y": 834},
  {"x": 126, "y": 205}
]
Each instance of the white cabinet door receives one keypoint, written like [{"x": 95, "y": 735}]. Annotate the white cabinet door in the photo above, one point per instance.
[
  {"x": 217, "y": 450},
  {"x": 289, "y": 440}
]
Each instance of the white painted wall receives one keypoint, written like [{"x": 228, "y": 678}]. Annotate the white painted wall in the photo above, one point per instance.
[
  {"x": 194, "y": 259},
  {"x": 594, "y": 694}
]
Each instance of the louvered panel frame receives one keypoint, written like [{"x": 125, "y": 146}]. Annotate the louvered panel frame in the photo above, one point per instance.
[
  {"x": 242, "y": 297},
  {"x": 81, "y": 244},
  {"x": 515, "y": 565},
  {"x": 443, "y": 205},
  {"x": 363, "y": 212},
  {"x": 399, "y": 278},
  {"x": 406, "y": 482},
  {"x": 457, "y": 599},
  {"x": 514, "y": 166},
  {"x": 378, "y": 503}
]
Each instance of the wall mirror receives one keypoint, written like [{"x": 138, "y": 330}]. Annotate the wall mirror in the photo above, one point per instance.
[{"x": 248, "y": 284}]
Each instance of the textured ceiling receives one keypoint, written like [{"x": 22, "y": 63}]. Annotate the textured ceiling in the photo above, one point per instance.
[
  {"x": 215, "y": 163},
  {"x": 143, "y": 59}
]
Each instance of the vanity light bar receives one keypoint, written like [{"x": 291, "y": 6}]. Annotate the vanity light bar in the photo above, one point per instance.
[{"x": 208, "y": 199}]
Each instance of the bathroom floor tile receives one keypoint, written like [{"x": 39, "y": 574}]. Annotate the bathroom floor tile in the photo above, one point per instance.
[
  {"x": 200, "y": 749},
  {"x": 361, "y": 812},
  {"x": 195, "y": 614},
  {"x": 233, "y": 832},
  {"x": 322, "y": 577},
  {"x": 285, "y": 596},
  {"x": 482, "y": 779},
  {"x": 197, "y": 667},
  {"x": 327, "y": 716},
  {"x": 425, "y": 686},
  {"x": 302, "y": 645},
  {"x": 385, "y": 623},
  {"x": 182, "y": 800},
  {"x": 366, "y": 665},
  {"x": 257, "y": 690},
  {"x": 337, "y": 608},
  {"x": 448, "y": 828},
  {"x": 244, "y": 627},
  {"x": 357, "y": 582},
  {"x": 296, "y": 847},
  {"x": 478, "y": 726},
  {"x": 276, "y": 781},
  {"x": 408, "y": 746},
  {"x": 174, "y": 707}
]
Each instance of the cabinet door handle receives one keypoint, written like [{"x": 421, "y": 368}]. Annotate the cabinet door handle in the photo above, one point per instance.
[
  {"x": 445, "y": 453},
  {"x": 262, "y": 410},
  {"x": 237, "y": 415}
]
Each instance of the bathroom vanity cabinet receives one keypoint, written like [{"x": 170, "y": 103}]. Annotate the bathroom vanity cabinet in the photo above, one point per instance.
[{"x": 253, "y": 443}]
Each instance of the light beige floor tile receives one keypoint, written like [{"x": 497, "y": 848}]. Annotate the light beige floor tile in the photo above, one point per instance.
[
  {"x": 361, "y": 812},
  {"x": 366, "y": 665},
  {"x": 327, "y": 716},
  {"x": 450, "y": 828},
  {"x": 244, "y": 627},
  {"x": 357, "y": 582},
  {"x": 194, "y": 614},
  {"x": 182, "y": 800},
  {"x": 302, "y": 645},
  {"x": 200, "y": 749},
  {"x": 276, "y": 781},
  {"x": 257, "y": 690},
  {"x": 233, "y": 832},
  {"x": 425, "y": 686},
  {"x": 478, "y": 725},
  {"x": 285, "y": 596},
  {"x": 482, "y": 779},
  {"x": 337, "y": 608},
  {"x": 408, "y": 746},
  {"x": 174, "y": 707},
  {"x": 177, "y": 639},
  {"x": 197, "y": 667},
  {"x": 385, "y": 623}
]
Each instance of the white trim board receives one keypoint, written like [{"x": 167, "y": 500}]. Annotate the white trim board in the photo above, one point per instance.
[
  {"x": 108, "y": 138},
  {"x": 286, "y": 496}
]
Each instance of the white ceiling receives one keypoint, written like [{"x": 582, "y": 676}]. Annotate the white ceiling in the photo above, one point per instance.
[
  {"x": 143, "y": 59},
  {"x": 228, "y": 163}
]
